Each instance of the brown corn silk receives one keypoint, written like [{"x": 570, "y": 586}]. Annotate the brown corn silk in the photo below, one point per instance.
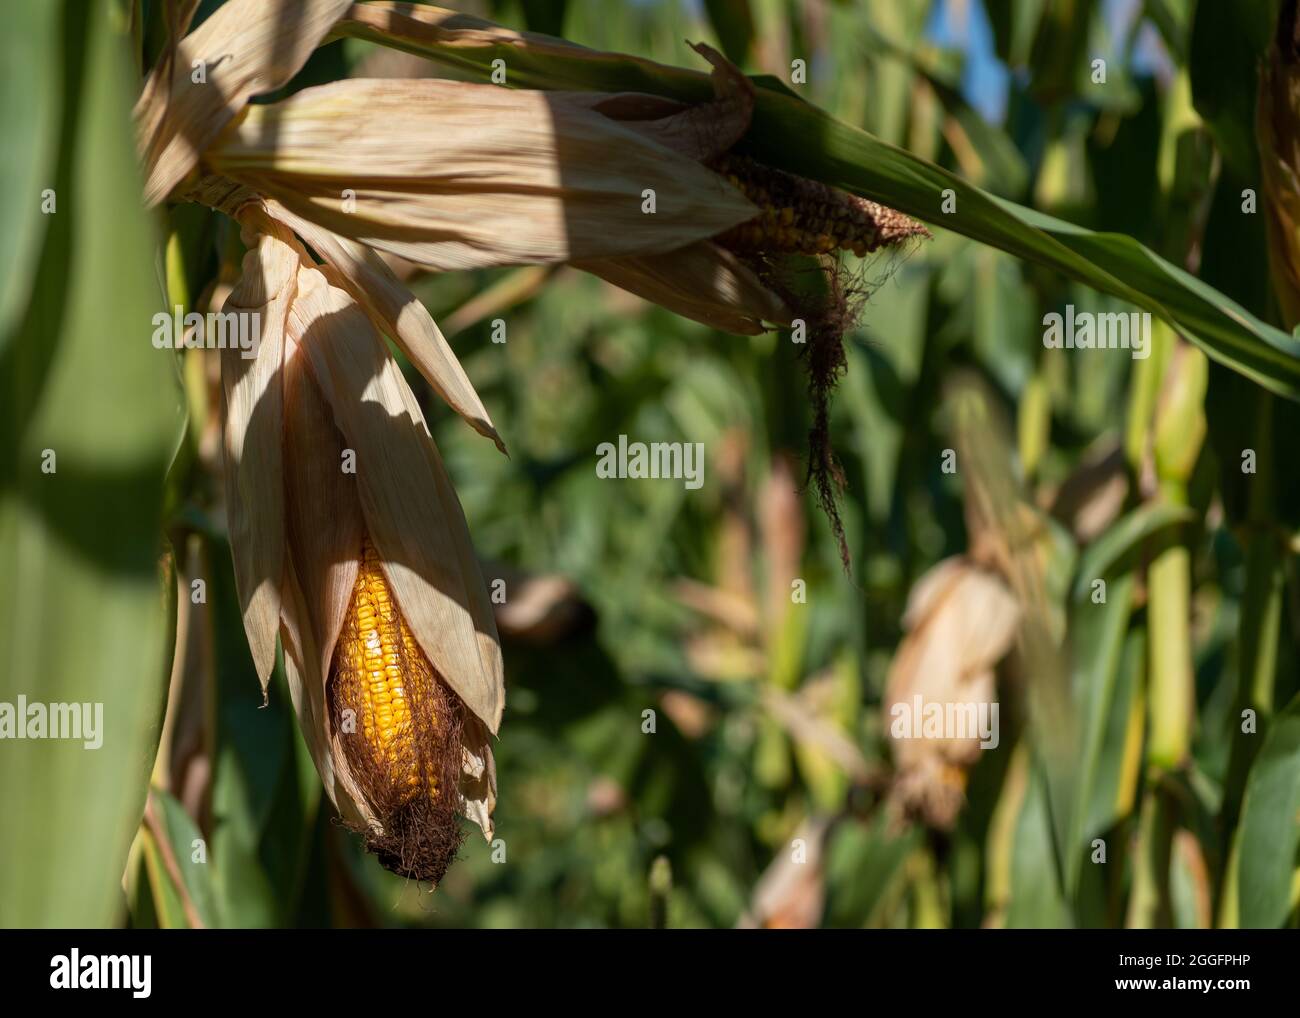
[{"x": 801, "y": 217}]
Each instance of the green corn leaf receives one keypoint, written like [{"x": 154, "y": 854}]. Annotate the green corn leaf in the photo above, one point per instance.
[
  {"x": 89, "y": 415},
  {"x": 734, "y": 23},
  {"x": 1097, "y": 634},
  {"x": 1270, "y": 826},
  {"x": 29, "y": 108},
  {"x": 190, "y": 853},
  {"x": 1125, "y": 540}
]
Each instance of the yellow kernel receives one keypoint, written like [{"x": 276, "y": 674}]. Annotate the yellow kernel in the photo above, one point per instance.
[{"x": 378, "y": 665}]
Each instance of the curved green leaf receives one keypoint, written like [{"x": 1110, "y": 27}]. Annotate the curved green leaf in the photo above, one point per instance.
[
  {"x": 89, "y": 412},
  {"x": 1097, "y": 636},
  {"x": 190, "y": 852},
  {"x": 1226, "y": 43},
  {"x": 29, "y": 101},
  {"x": 1270, "y": 825},
  {"x": 1124, "y": 538}
]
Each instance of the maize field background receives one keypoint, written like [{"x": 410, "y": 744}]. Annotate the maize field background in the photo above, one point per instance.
[{"x": 697, "y": 714}]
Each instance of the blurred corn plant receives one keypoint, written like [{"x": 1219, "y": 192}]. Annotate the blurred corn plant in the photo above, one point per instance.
[{"x": 700, "y": 698}]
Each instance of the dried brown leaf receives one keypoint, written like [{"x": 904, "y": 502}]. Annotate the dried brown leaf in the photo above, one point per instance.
[
  {"x": 454, "y": 175},
  {"x": 703, "y": 282},
  {"x": 246, "y": 48},
  {"x": 395, "y": 311},
  {"x": 253, "y": 414}
]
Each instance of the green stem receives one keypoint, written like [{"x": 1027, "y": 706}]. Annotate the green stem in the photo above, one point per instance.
[
  {"x": 1149, "y": 905},
  {"x": 1171, "y": 700},
  {"x": 927, "y": 901},
  {"x": 661, "y": 886}
]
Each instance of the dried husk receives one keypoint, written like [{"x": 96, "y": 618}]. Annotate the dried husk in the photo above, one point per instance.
[
  {"x": 565, "y": 200},
  {"x": 700, "y": 131},
  {"x": 791, "y": 893},
  {"x": 393, "y": 310},
  {"x": 311, "y": 620},
  {"x": 411, "y": 511},
  {"x": 699, "y": 281},
  {"x": 961, "y": 620},
  {"x": 325, "y": 528},
  {"x": 248, "y": 47},
  {"x": 453, "y": 175},
  {"x": 253, "y": 412},
  {"x": 703, "y": 282},
  {"x": 478, "y": 786}
]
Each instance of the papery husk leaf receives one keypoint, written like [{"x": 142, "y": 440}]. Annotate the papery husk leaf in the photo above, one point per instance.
[
  {"x": 478, "y": 786},
  {"x": 326, "y": 529},
  {"x": 253, "y": 412},
  {"x": 454, "y": 176},
  {"x": 703, "y": 282},
  {"x": 307, "y": 689},
  {"x": 248, "y": 47},
  {"x": 701, "y": 131},
  {"x": 791, "y": 893},
  {"x": 975, "y": 602},
  {"x": 962, "y": 620},
  {"x": 395, "y": 311},
  {"x": 411, "y": 511}
]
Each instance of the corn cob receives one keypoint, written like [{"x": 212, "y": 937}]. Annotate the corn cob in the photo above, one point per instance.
[
  {"x": 802, "y": 216},
  {"x": 403, "y": 745},
  {"x": 383, "y": 675}
]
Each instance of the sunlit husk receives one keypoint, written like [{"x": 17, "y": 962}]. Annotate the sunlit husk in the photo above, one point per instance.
[
  {"x": 325, "y": 526},
  {"x": 252, "y": 394},
  {"x": 486, "y": 175},
  {"x": 700, "y": 131},
  {"x": 247, "y": 47},
  {"x": 703, "y": 282},
  {"x": 308, "y": 685},
  {"x": 411, "y": 512},
  {"x": 961, "y": 620},
  {"x": 452, "y": 175},
  {"x": 478, "y": 787},
  {"x": 393, "y": 310}
]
